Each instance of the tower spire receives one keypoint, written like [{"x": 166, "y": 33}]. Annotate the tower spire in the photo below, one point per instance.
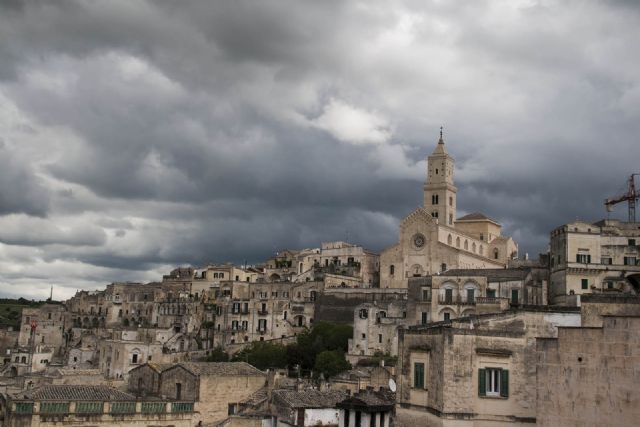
[{"x": 441, "y": 141}]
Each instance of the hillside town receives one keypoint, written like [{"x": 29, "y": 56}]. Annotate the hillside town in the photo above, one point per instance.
[{"x": 450, "y": 326}]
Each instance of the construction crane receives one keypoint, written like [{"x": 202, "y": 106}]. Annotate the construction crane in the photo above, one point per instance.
[{"x": 631, "y": 196}]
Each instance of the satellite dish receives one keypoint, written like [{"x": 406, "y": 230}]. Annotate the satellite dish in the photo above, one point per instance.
[{"x": 392, "y": 385}]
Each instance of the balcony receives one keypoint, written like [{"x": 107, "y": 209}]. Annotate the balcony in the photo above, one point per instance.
[
  {"x": 263, "y": 312},
  {"x": 456, "y": 300},
  {"x": 261, "y": 331}
]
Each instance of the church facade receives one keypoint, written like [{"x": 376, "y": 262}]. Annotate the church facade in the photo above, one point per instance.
[{"x": 433, "y": 240}]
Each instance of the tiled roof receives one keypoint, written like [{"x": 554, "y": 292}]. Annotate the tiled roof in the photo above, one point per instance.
[
  {"x": 476, "y": 216},
  {"x": 490, "y": 273},
  {"x": 71, "y": 371},
  {"x": 371, "y": 399},
  {"x": 222, "y": 368},
  {"x": 311, "y": 398},
  {"x": 256, "y": 398},
  {"x": 76, "y": 392}
]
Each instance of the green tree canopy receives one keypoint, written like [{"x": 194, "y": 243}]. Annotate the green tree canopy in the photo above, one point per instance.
[
  {"x": 330, "y": 363},
  {"x": 263, "y": 355}
]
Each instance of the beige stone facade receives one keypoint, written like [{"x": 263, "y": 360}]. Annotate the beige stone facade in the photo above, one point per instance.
[
  {"x": 593, "y": 258},
  {"x": 375, "y": 329},
  {"x": 214, "y": 387},
  {"x": 476, "y": 372},
  {"x": 460, "y": 293},
  {"x": 432, "y": 239},
  {"x": 588, "y": 376}
]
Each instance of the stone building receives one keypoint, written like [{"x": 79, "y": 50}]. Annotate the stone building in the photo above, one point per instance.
[
  {"x": 247, "y": 312},
  {"x": 44, "y": 326},
  {"x": 62, "y": 405},
  {"x": 588, "y": 376},
  {"x": 594, "y": 257},
  {"x": 475, "y": 371},
  {"x": 375, "y": 329},
  {"x": 459, "y": 293},
  {"x": 433, "y": 239},
  {"x": 307, "y": 407},
  {"x": 216, "y": 388},
  {"x": 367, "y": 408}
]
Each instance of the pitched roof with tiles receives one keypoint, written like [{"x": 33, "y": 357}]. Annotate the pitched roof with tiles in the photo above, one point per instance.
[
  {"x": 76, "y": 392},
  {"x": 226, "y": 369},
  {"x": 310, "y": 398},
  {"x": 476, "y": 216}
]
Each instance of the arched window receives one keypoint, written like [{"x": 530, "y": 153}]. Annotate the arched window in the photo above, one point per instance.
[
  {"x": 473, "y": 247},
  {"x": 466, "y": 245},
  {"x": 457, "y": 242},
  {"x": 481, "y": 250},
  {"x": 496, "y": 254},
  {"x": 392, "y": 270},
  {"x": 449, "y": 240},
  {"x": 364, "y": 313}
]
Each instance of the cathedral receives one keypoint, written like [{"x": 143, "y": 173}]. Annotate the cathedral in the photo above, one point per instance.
[{"x": 433, "y": 240}]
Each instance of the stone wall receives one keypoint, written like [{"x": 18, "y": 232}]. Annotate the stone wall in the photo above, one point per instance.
[{"x": 589, "y": 376}]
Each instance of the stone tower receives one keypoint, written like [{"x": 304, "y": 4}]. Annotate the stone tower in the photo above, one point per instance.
[{"x": 439, "y": 191}]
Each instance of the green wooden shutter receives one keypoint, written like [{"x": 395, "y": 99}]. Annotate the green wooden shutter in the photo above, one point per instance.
[
  {"x": 504, "y": 383},
  {"x": 482, "y": 382}
]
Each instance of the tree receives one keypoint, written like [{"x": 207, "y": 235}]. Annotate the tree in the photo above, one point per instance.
[
  {"x": 330, "y": 363},
  {"x": 263, "y": 355},
  {"x": 218, "y": 355}
]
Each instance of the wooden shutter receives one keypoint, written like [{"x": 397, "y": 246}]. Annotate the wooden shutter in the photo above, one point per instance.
[
  {"x": 504, "y": 383},
  {"x": 482, "y": 382}
]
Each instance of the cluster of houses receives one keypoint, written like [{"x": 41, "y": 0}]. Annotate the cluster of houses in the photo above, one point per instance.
[{"x": 450, "y": 328}]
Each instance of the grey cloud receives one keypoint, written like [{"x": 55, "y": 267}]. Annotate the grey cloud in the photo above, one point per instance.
[{"x": 192, "y": 136}]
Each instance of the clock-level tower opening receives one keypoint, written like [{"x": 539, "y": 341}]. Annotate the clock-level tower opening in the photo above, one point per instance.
[{"x": 439, "y": 190}]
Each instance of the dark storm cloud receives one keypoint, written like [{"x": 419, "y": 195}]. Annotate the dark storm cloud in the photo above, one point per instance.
[{"x": 150, "y": 134}]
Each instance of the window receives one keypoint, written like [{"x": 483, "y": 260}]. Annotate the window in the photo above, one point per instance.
[
  {"x": 481, "y": 236},
  {"x": 448, "y": 296},
  {"x": 434, "y": 199},
  {"x": 493, "y": 382},
  {"x": 425, "y": 318},
  {"x": 392, "y": 270},
  {"x": 629, "y": 260},
  {"x": 426, "y": 295},
  {"x": 515, "y": 297},
  {"x": 491, "y": 293},
  {"x": 471, "y": 295},
  {"x": 632, "y": 242},
  {"x": 447, "y": 317},
  {"x": 418, "y": 375},
  {"x": 443, "y": 267},
  {"x": 450, "y": 219},
  {"x": 364, "y": 336},
  {"x": 609, "y": 285},
  {"x": 434, "y": 214},
  {"x": 606, "y": 260},
  {"x": 380, "y": 338},
  {"x": 364, "y": 313},
  {"x": 496, "y": 254},
  {"x": 178, "y": 391},
  {"x": 583, "y": 258},
  {"x": 450, "y": 201},
  {"x": 585, "y": 283}
]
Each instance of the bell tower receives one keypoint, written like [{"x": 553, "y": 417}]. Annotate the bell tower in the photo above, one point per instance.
[{"x": 439, "y": 191}]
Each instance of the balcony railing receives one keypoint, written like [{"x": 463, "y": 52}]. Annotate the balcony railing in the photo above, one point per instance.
[{"x": 456, "y": 300}]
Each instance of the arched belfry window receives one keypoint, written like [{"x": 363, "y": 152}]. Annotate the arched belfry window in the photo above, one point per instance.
[{"x": 392, "y": 270}]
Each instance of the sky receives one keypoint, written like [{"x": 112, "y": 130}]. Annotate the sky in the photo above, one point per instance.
[{"x": 136, "y": 136}]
